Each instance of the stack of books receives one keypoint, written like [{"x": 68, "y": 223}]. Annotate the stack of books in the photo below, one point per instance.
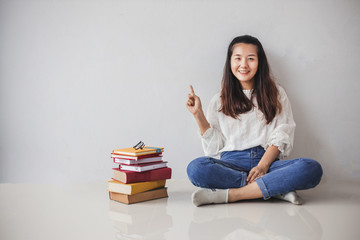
[{"x": 140, "y": 176}]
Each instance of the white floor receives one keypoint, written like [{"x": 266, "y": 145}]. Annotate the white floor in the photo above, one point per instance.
[{"x": 83, "y": 211}]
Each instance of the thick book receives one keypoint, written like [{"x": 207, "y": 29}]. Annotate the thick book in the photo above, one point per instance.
[
  {"x": 114, "y": 155},
  {"x": 136, "y": 162},
  {"x": 126, "y": 176},
  {"x": 138, "y": 152},
  {"x": 133, "y": 188},
  {"x": 139, "y": 197},
  {"x": 143, "y": 167}
]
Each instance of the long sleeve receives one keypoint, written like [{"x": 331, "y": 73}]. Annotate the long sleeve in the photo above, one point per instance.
[
  {"x": 283, "y": 131},
  {"x": 213, "y": 140}
]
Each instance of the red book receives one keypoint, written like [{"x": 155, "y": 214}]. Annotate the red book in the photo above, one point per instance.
[{"x": 133, "y": 177}]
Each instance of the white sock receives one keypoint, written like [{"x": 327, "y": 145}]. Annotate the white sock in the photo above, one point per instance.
[
  {"x": 290, "y": 197},
  {"x": 207, "y": 196}
]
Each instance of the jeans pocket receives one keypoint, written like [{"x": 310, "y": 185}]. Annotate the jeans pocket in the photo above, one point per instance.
[{"x": 258, "y": 152}]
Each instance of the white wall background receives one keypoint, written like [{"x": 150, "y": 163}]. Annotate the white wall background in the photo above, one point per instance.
[{"x": 80, "y": 78}]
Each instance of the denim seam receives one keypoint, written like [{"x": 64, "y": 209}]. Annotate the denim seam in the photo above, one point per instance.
[
  {"x": 263, "y": 188},
  {"x": 243, "y": 180}
]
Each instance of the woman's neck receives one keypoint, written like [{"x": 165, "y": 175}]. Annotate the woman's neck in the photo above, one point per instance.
[{"x": 248, "y": 85}]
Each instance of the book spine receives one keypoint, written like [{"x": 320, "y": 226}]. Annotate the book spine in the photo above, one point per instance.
[
  {"x": 153, "y": 175},
  {"x": 139, "y": 197},
  {"x": 146, "y": 186}
]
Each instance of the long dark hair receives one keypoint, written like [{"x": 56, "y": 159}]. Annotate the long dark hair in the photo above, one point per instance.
[{"x": 233, "y": 99}]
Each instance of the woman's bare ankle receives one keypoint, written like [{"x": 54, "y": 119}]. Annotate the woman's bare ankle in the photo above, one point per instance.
[
  {"x": 232, "y": 195},
  {"x": 250, "y": 191}
]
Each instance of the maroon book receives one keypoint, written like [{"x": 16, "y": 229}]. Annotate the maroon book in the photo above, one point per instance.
[{"x": 133, "y": 177}]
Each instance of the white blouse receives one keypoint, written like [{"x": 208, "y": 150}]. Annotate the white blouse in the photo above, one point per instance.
[{"x": 249, "y": 129}]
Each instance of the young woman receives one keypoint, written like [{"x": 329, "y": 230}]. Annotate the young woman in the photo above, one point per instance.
[{"x": 249, "y": 125}]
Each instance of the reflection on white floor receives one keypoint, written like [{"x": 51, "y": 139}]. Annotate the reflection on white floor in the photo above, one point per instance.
[
  {"x": 140, "y": 221},
  {"x": 84, "y": 211},
  {"x": 257, "y": 222}
]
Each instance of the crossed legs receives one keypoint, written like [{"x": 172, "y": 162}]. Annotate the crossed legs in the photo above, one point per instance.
[{"x": 281, "y": 182}]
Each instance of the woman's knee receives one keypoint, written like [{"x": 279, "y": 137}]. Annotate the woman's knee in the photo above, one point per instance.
[
  {"x": 313, "y": 170},
  {"x": 194, "y": 167}
]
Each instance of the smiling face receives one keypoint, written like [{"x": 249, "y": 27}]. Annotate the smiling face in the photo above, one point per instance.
[{"x": 244, "y": 64}]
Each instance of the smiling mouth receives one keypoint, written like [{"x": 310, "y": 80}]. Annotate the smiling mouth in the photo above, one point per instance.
[{"x": 243, "y": 72}]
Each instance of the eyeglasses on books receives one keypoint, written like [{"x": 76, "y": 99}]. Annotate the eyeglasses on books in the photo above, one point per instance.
[{"x": 140, "y": 145}]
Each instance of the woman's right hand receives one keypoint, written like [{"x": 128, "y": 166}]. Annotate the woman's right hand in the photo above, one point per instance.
[{"x": 193, "y": 103}]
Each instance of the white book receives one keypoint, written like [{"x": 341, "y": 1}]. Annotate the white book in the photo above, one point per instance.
[
  {"x": 140, "y": 161},
  {"x": 143, "y": 167}
]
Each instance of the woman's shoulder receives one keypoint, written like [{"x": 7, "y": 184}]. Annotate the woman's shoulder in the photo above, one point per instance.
[
  {"x": 215, "y": 101},
  {"x": 281, "y": 90},
  {"x": 280, "y": 87},
  {"x": 216, "y": 97}
]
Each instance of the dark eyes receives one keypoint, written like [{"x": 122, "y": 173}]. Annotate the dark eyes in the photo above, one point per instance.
[{"x": 249, "y": 59}]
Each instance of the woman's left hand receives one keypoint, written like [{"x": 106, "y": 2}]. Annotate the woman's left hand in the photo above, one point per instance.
[{"x": 256, "y": 172}]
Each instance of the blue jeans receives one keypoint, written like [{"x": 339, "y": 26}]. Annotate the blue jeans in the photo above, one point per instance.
[{"x": 231, "y": 170}]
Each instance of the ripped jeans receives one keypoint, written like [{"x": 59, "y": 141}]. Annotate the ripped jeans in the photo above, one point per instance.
[{"x": 231, "y": 170}]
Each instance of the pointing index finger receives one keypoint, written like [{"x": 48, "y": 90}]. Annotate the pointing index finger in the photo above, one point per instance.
[{"x": 192, "y": 90}]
